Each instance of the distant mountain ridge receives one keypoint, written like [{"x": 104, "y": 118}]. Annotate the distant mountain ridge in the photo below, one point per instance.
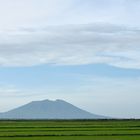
[{"x": 48, "y": 109}]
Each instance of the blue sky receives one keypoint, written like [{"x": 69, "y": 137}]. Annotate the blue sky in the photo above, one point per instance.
[{"x": 86, "y": 52}]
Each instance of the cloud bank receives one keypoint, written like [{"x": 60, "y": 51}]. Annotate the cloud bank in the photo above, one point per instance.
[{"x": 71, "y": 45}]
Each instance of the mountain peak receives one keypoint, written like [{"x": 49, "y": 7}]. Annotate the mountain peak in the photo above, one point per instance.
[
  {"x": 49, "y": 109},
  {"x": 59, "y": 100},
  {"x": 48, "y": 100}
]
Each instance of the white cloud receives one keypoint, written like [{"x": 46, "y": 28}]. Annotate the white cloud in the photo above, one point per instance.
[
  {"x": 71, "y": 45},
  {"x": 32, "y": 13}
]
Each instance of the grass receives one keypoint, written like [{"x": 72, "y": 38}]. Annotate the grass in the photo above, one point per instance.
[{"x": 70, "y": 130}]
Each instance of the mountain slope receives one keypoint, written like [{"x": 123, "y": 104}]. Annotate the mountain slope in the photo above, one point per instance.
[{"x": 47, "y": 109}]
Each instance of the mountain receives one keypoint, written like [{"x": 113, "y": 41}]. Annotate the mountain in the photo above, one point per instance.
[{"x": 47, "y": 109}]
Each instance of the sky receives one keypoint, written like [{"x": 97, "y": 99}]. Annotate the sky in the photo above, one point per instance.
[{"x": 86, "y": 52}]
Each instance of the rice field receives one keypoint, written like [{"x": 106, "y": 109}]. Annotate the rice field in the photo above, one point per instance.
[{"x": 70, "y": 130}]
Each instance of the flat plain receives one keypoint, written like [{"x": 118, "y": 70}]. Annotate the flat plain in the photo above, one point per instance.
[{"x": 70, "y": 129}]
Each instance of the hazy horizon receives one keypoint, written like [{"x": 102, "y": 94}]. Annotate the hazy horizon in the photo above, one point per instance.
[{"x": 86, "y": 52}]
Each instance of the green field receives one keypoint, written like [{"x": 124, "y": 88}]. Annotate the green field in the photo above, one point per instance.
[{"x": 70, "y": 130}]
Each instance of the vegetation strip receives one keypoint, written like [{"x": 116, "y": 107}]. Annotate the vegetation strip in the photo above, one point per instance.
[
  {"x": 48, "y": 135},
  {"x": 71, "y": 127}
]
